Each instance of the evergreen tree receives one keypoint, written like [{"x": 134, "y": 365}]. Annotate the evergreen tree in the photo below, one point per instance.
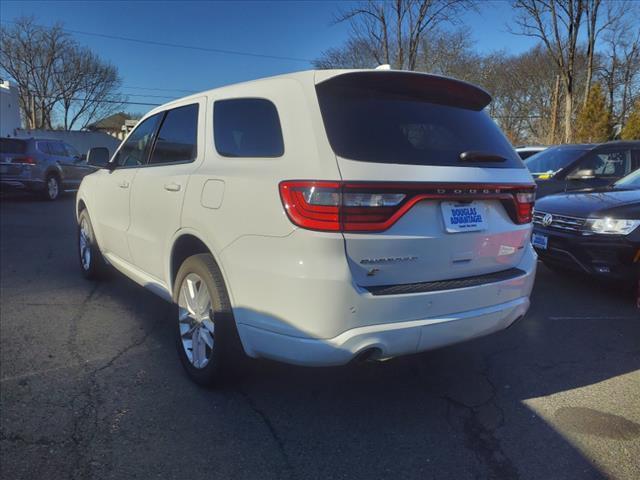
[
  {"x": 631, "y": 130},
  {"x": 593, "y": 124}
]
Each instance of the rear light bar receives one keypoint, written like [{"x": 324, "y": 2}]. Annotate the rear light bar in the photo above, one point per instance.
[
  {"x": 375, "y": 206},
  {"x": 24, "y": 160}
]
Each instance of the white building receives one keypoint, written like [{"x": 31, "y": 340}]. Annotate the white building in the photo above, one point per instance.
[{"x": 9, "y": 109}]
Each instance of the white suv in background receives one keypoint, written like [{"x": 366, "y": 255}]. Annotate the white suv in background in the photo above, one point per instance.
[{"x": 317, "y": 217}]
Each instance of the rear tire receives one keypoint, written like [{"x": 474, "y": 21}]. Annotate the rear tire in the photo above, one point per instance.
[
  {"x": 92, "y": 264},
  {"x": 52, "y": 187},
  {"x": 206, "y": 336}
]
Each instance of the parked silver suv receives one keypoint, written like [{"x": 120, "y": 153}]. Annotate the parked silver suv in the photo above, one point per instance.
[{"x": 42, "y": 166}]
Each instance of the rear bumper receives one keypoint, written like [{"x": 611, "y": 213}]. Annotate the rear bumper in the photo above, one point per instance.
[
  {"x": 385, "y": 340},
  {"x": 19, "y": 183},
  {"x": 294, "y": 299}
]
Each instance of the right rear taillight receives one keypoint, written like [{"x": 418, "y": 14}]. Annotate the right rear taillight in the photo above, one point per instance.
[
  {"x": 524, "y": 205},
  {"x": 334, "y": 206},
  {"x": 24, "y": 160}
]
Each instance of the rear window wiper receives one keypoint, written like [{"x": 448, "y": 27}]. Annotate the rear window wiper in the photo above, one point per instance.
[{"x": 471, "y": 156}]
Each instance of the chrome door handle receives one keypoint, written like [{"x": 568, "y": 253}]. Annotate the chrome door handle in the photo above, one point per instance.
[
  {"x": 172, "y": 187},
  {"x": 123, "y": 184}
]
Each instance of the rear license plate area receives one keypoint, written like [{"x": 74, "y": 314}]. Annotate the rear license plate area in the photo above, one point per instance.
[{"x": 464, "y": 217}]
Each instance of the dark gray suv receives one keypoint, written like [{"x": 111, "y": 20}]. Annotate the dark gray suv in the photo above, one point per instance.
[{"x": 39, "y": 165}]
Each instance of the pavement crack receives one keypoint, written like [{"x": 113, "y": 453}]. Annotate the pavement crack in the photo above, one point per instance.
[
  {"x": 479, "y": 425},
  {"x": 43, "y": 442},
  {"x": 271, "y": 429},
  {"x": 86, "y": 423}
]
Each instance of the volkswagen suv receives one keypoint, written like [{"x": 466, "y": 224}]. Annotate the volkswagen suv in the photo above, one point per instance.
[{"x": 317, "y": 217}]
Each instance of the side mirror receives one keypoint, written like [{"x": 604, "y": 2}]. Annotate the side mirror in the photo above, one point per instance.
[
  {"x": 582, "y": 175},
  {"x": 98, "y": 157}
]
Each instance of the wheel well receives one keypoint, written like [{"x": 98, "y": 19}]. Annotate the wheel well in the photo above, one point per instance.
[
  {"x": 53, "y": 173},
  {"x": 81, "y": 207},
  {"x": 183, "y": 248}
]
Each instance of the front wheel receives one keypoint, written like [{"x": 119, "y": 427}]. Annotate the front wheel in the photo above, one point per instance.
[{"x": 207, "y": 338}]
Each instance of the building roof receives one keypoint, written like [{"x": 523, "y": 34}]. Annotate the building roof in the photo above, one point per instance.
[{"x": 112, "y": 122}]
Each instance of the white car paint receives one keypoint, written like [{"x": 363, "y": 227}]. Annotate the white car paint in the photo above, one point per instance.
[{"x": 300, "y": 295}]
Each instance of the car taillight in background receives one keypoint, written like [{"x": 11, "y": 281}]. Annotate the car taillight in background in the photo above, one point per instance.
[
  {"x": 24, "y": 160},
  {"x": 374, "y": 207}
]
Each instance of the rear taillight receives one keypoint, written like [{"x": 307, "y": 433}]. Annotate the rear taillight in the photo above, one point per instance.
[
  {"x": 24, "y": 160},
  {"x": 524, "y": 205},
  {"x": 374, "y": 207}
]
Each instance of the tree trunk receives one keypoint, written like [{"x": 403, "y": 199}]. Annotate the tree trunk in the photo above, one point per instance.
[
  {"x": 568, "y": 114},
  {"x": 554, "y": 112}
]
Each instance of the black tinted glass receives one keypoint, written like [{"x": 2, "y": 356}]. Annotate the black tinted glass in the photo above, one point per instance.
[
  {"x": 552, "y": 160},
  {"x": 9, "y": 145},
  {"x": 57, "y": 148},
  {"x": 177, "y": 138},
  {"x": 384, "y": 125},
  {"x": 247, "y": 127},
  {"x": 71, "y": 151},
  {"x": 135, "y": 150}
]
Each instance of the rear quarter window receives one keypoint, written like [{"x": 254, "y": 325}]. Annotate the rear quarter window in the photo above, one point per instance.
[{"x": 247, "y": 127}]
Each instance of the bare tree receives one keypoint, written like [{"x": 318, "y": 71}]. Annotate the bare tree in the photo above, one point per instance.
[
  {"x": 31, "y": 56},
  {"x": 87, "y": 97},
  {"x": 620, "y": 69},
  {"x": 54, "y": 74},
  {"x": 395, "y": 30},
  {"x": 355, "y": 53},
  {"x": 557, "y": 24}
]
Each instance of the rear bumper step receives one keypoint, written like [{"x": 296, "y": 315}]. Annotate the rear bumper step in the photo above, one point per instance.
[{"x": 452, "y": 284}]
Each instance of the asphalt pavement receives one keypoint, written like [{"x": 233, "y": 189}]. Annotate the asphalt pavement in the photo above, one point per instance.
[{"x": 91, "y": 387}]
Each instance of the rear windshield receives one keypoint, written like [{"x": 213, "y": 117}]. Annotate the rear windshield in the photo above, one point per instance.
[
  {"x": 385, "y": 123},
  {"x": 553, "y": 160},
  {"x": 10, "y": 145}
]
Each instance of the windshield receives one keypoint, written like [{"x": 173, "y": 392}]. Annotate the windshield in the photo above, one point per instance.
[
  {"x": 630, "y": 181},
  {"x": 9, "y": 145},
  {"x": 552, "y": 160},
  {"x": 402, "y": 119}
]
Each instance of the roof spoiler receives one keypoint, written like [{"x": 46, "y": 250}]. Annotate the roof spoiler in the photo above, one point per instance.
[{"x": 414, "y": 85}]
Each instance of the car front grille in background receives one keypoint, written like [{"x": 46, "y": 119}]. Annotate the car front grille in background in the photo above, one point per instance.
[{"x": 559, "y": 222}]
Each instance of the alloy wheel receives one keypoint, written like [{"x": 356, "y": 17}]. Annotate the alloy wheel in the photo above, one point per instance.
[
  {"x": 53, "y": 188},
  {"x": 196, "y": 322},
  {"x": 85, "y": 245}
]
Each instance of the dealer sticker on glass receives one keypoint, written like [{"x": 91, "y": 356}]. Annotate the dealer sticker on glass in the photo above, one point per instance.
[{"x": 464, "y": 217}]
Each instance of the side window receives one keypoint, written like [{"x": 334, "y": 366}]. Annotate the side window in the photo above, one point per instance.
[
  {"x": 247, "y": 127},
  {"x": 56, "y": 148},
  {"x": 135, "y": 150},
  {"x": 614, "y": 164},
  {"x": 71, "y": 151},
  {"x": 177, "y": 137},
  {"x": 42, "y": 147}
]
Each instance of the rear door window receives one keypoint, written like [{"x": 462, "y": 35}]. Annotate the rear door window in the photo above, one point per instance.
[
  {"x": 410, "y": 119},
  {"x": 71, "y": 151},
  {"x": 57, "y": 148},
  {"x": 177, "y": 137},
  {"x": 247, "y": 127},
  {"x": 613, "y": 164},
  {"x": 42, "y": 147}
]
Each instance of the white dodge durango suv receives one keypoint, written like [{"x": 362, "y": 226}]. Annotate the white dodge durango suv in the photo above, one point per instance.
[{"x": 317, "y": 217}]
